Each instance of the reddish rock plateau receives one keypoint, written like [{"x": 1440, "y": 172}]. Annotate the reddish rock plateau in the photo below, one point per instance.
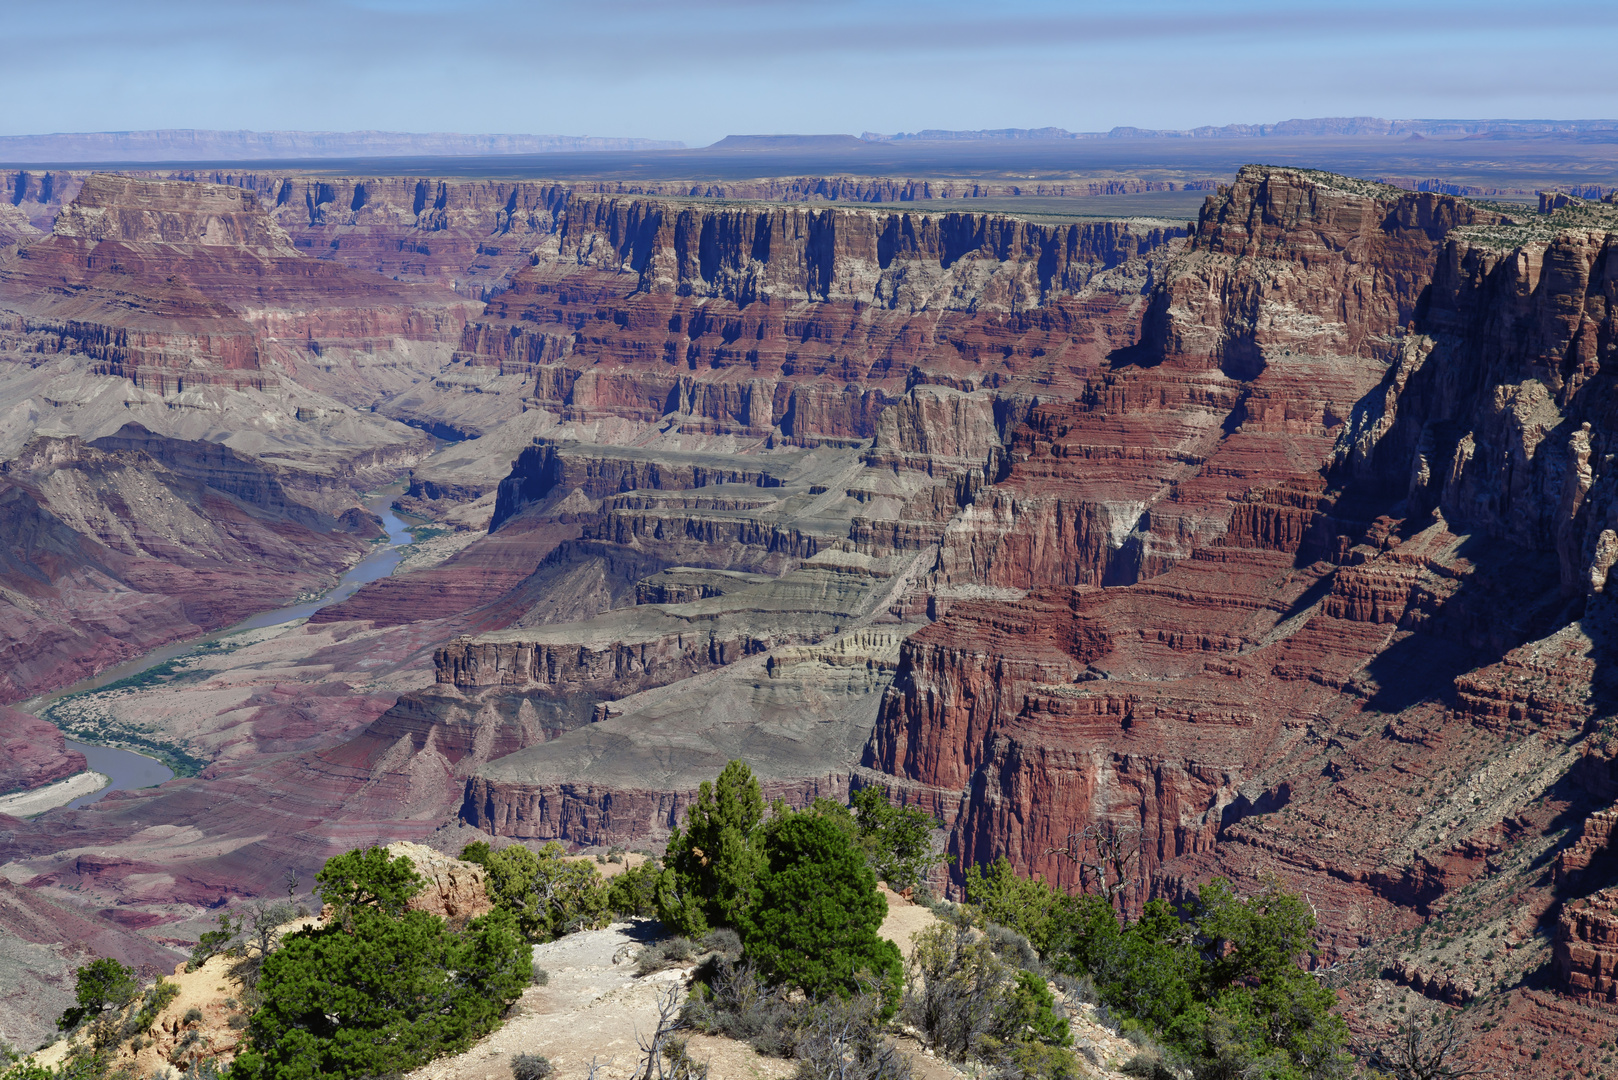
[{"x": 1282, "y": 548}]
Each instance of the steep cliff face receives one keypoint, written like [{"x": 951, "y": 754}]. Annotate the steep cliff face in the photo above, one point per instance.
[
  {"x": 1345, "y": 498},
  {"x": 801, "y": 325},
  {"x": 1302, "y": 262},
  {"x": 896, "y": 260},
  {"x": 473, "y": 236}
]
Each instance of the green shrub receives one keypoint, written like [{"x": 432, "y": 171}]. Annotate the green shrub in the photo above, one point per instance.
[
  {"x": 1031, "y": 907},
  {"x": 816, "y": 911},
  {"x": 27, "y": 1070},
  {"x": 897, "y": 839},
  {"x": 546, "y": 894},
  {"x": 383, "y": 989},
  {"x": 633, "y": 893},
  {"x": 101, "y": 986},
  {"x": 709, "y": 867},
  {"x": 1031, "y": 1059},
  {"x": 367, "y": 878},
  {"x": 953, "y": 993},
  {"x": 211, "y": 943},
  {"x": 1218, "y": 980},
  {"x": 1031, "y": 1012}
]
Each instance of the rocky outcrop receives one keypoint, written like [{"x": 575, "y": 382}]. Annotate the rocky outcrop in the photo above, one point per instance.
[
  {"x": 1594, "y": 844},
  {"x": 597, "y": 472},
  {"x": 123, "y": 209},
  {"x": 609, "y": 667},
  {"x": 1586, "y": 954},
  {"x": 454, "y": 889},
  {"x": 35, "y": 753}
]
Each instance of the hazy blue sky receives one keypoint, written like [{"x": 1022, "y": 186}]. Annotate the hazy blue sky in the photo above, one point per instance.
[{"x": 699, "y": 69}]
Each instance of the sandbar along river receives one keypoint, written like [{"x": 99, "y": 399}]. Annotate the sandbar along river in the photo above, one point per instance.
[{"x": 127, "y": 770}]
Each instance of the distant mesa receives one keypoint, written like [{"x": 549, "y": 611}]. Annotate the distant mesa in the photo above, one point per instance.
[
  {"x": 186, "y": 144},
  {"x": 787, "y": 142},
  {"x": 1320, "y": 127}
]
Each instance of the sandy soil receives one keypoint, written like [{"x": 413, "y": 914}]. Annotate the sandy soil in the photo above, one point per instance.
[
  {"x": 593, "y": 1007},
  {"x": 28, "y": 803}
]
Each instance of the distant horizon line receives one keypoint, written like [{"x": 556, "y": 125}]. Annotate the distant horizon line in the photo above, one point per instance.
[{"x": 212, "y": 144}]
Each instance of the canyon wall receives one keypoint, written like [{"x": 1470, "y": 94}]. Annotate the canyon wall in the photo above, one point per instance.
[
  {"x": 1350, "y": 503},
  {"x": 1280, "y": 548}
]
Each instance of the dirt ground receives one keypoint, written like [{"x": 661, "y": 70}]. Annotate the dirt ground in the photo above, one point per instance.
[{"x": 594, "y": 1008}]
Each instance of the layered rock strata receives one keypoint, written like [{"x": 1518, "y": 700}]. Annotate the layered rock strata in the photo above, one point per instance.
[
  {"x": 129, "y": 542},
  {"x": 35, "y": 753},
  {"x": 1283, "y": 551}
]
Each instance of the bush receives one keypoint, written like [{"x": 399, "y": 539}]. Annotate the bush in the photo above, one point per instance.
[
  {"x": 815, "y": 915},
  {"x": 1034, "y": 1060},
  {"x": 546, "y": 894},
  {"x": 211, "y": 943},
  {"x": 541, "y": 977},
  {"x": 383, "y": 989},
  {"x": 27, "y": 1070},
  {"x": 1012, "y": 947},
  {"x": 897, "y": 839},
  {"x": 101, "y": 986},
  {"x": 530, "y": 1067},
  {"x": 1219, "y": 980},
  {"x": 842, "y": 1040},
  {"x": 670, "y": 952},
  {"x": 731, "y": 1000},
  {"x": 952, "y": 993},
  {"x": 834, "y": 1037},
  {"x": 1148, "y": 1067},
  {"x": 1030, "y": 907},
  {"x": 633, "y": 893},
  {"x": 709, "y": 867},
  {"x": 724, "y": 941},
  {"x": 367, "y": 878},
  {"x": 1031, "y": 1013},
  {"x": 969, "y": 1004}
]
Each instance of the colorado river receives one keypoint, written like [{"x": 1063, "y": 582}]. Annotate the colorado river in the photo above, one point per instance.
[
  {"x": 125, "y": 770},
  {"x": 128, "y": 770}
]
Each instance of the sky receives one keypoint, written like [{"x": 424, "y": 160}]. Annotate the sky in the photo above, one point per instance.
[{"x": 697, "y": 70}]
